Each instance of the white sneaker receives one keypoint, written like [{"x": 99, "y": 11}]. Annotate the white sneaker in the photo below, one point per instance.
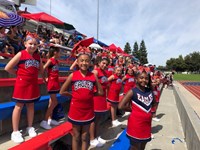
[
  {"x": 95, "y": 143},
  {"x": 16, "y": 137},
  {"x": 31, "y": 131},
  {"x": 126, "y": 114},
  {"x": 53, "y": 122},
  {"x": 44, "y": 124},
  {"x": 102, "y": 141},
  {"x": 155, "y": 119},
  {"x": 152, "y": 136},
  {"x": 116, "y": 123}
]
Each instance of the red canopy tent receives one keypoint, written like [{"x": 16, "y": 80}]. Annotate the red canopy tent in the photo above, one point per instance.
[
  {"x": 113, "y": 48},
  {"x": 42, "y": 17},
  {"x": 119, "y": 50}
]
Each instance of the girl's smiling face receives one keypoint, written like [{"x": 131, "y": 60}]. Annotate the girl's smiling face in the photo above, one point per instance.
[
  {"x": 103, "y": 64},
  {"x": 83, "y": 62},
  {"x": 142, "y": 79},
  {"x": 31, "y": 45},
  {"x": 118, "y": 71}
]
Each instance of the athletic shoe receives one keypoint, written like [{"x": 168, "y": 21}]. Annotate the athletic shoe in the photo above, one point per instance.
[
  {"x": 44, "y": 124},
  {"x": 95, "y": 143},
  {"x": 16, "y": 137},
  {"x": 31, "y": 131},
  {"x": 116, "y": 123},
  {"x": 102, "y": 141},
  {"x": 53, "y": 122},
  {"x": 155, "y": 119},
  {"x": 126, "y": 114}
]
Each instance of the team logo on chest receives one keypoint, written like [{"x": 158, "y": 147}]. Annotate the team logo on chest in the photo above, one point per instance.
[
  {"x": 119, "y": 81},
  {"x": 83, "y": 84},
  {"x": 131, "y": 80},
  {"x": 104, "y": 79},
  {"x": 55, "y": 68},
  {"x": 31, "y": 63},
  {"x": 145, "y": 99}
]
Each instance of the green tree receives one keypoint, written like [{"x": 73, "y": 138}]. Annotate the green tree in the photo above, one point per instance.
[
  {"x": 127, "y": 48},
  {"x": 135, "y": 51},
  {"x": 192, "y": 62},
  {"x": 143, "y": 53}
]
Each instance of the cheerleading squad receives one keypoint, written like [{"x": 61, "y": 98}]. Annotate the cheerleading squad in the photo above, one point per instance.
[{"x": 95, "y": 87}]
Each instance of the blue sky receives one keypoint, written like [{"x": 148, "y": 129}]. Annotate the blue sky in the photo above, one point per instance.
[{"x": 169, "y": 28}]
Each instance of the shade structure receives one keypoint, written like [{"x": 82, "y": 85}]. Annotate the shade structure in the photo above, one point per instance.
[
  {"x": 43, "y": 17},
  {"x": 84, "y": 43},
  {"x": 65, "y": 26},
  {"x": 113, "y": 48},
  {"x": 10, "y": 19},
  {"x": 119, "y": 50}
]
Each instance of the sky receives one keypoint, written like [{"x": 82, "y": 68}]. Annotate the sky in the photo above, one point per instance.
[{"x": 169, "y": 28}]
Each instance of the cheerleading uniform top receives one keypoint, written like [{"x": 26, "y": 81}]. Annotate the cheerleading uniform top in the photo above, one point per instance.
[
  {"x": 110, "y": 70},
  {"x": 129, "y": 83},
  {"x": 27, "y": 78},
  {"x": 139, "y": 122},
  {"x": 53, "y": 85},
  {"x": 114, "y": 89},
  {"x": 81, "y": 109},
  {"x": 100, "y": 103}
]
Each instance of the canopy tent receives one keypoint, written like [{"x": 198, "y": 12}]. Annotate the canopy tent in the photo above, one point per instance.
[
  {"x": 66, "y": 26},
  {"x": 100, "y": 43},
  {"x": 43, "y": 17},
  {"x": 119, "y": 50},
  {"x": 113, "y": 48}
]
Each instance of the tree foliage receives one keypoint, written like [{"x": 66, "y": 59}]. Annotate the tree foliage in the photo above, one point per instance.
[
  {"x": 127, "y": 48},
  {"x": 135, "y": 51},
  {"x": 143, "y": 53},
  {"x": 190, "y": 62}
]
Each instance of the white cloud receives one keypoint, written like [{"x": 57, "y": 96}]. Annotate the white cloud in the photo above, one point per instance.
[{"x": 169, "y": 28}]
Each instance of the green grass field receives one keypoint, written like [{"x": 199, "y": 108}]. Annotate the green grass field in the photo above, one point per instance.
[{"x": 187, "y": 77}]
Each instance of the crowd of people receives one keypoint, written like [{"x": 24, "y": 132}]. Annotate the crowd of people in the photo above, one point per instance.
[{"x": 100, "y": 81}]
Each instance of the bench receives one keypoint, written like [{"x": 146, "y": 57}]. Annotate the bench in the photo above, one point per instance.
[
  {"x": 43, "y": 141},
  {"x": 6, "y": 108},
  {"x": 122, "y": 142}
]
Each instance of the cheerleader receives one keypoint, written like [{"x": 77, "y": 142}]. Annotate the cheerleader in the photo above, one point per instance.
[
  {"x": 113, "y": 94},
  {"x": 28, "y": 64},
  {"x": 53, "y": 86},
  {"x": 139, "y": 102},
  {"x": 81, "y": 111},
  {"x": 100, "y": 103}
]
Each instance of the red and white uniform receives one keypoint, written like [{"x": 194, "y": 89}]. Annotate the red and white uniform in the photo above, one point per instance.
[
  {"x": 110, "y": 70},
  {"x": 100, "y": 103},
  {"x": 26, "y": 88},
  {"x": 156, "y": 92},
  {"x": 53, "y": 85},
  {"x": 81, "y": 111},
  {"x": 129, "y": 83},
  {"x": 139, "y": 122},
  {"x": 114, "y": 90}
]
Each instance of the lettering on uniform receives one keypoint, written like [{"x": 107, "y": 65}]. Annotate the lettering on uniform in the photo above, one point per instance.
[
  {"x": 32, "y": 63},
  {"x": 145, "y": 99},
  {"x": 83, "y": 84},
  {"x": 119, "y": 81},
  {"x": 104, "y": 79},
  {"x": 131, "y": 80},
  {"x": 110, "y": 69},
  {"x": 55, "y": 68}
]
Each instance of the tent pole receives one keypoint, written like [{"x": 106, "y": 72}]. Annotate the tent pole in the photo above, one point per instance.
[{"x": 97, "y": 20}]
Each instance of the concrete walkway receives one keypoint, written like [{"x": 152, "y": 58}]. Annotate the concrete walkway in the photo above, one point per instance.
[{"x": 164, "y": 131}]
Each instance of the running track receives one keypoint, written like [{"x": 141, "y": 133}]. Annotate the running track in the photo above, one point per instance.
[{"x": 193, "y": 87}]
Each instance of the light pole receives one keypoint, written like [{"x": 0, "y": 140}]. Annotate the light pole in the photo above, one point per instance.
[
  {"x": 97, "y": 20},
  {"x": 50, "y": 7}
]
